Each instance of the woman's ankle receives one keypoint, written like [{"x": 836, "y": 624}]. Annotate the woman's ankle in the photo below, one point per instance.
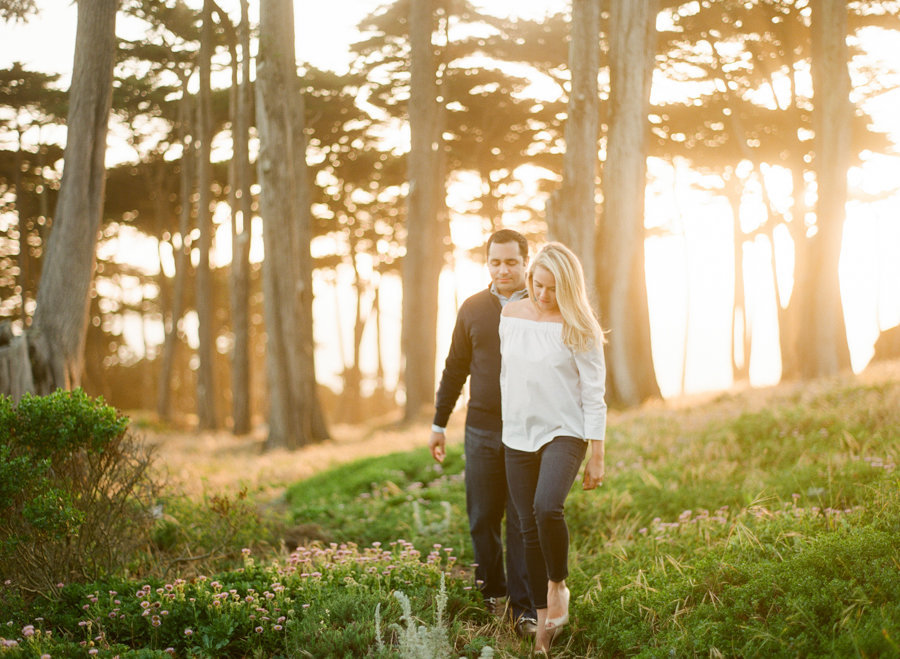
[{"x": 556, "y": 586}]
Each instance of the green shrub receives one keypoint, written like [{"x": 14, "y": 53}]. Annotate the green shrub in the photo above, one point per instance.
[
  {"x": 193, "y": 537},
  {"x": 74, "y": 490}
]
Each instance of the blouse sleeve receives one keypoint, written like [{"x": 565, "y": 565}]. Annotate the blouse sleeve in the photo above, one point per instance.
[{"x": 591, "y": 367}]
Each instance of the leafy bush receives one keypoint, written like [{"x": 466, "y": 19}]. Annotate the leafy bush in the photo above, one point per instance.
[{"x": 74, "y": 490}]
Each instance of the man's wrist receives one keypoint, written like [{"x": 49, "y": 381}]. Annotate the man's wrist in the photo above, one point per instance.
[{"x": 437, "y": 428}]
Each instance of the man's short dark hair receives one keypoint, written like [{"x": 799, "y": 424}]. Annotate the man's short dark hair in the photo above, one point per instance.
[{"x": 509, "y": 236}]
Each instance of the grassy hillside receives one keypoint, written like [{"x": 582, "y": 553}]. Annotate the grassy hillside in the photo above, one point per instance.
[
  {"x": 762, "y": 523},
  {"x": 765, "y": 523}
]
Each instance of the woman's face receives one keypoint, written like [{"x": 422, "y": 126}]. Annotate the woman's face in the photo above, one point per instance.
[{"x": 544, "y": 284}]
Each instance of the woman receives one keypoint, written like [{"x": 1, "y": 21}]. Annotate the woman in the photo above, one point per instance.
[{"x": 552, "y": 385}]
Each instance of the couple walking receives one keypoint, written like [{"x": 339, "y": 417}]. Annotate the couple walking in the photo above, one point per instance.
[{"x": 533, "y": 349}]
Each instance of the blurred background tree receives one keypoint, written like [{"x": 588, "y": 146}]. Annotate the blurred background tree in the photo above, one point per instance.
[{"x": 747, "y": 101}]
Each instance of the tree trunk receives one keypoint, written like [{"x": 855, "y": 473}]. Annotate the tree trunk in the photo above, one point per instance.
[
  {"x": 791, "y": 326},
  {"x": 424, "y": 253},
  {"x": 182, "y": 262},
  {"x": 621, "y": 276},
  {"x": 57, "y": 336},
  {"x": 240, "y": 237},
  {"x": 295, "y": 417},
  {"x": 740, "y": 322},
  {"x": 825, "y": 350},
  {"x": 572, "y": 211},
  {"x": 15, "y": 367},
  {"x": 206, "y": 400},
  {"x": 380, "y": 384},
  {"x": 351, "y": 393},
  {"x": 24, "y": 257}
]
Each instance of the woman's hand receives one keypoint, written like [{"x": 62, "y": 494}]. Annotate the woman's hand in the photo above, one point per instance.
[{"x": 594, "y": 469}]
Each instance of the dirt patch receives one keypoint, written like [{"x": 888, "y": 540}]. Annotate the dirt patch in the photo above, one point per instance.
[{"x": 198, "y": 462}]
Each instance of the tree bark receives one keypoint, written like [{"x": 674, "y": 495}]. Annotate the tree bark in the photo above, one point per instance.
[
  {"x": 240, "y": 237},
  {"x": 15, "y": 366},
  {"x": 295, "y": 417},
  {"x": 58, "y": 332},
  {"x": 424, "y": 253},
  {"x": 206, "y": 400},
  {"x": 182, "y": 262},
  {"x": 621, "y": 277},
  {"x": 572, "y": 211},
  {"x": 825, "y": 350}
]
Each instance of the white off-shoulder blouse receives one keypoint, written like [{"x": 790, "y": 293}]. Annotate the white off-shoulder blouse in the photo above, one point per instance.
[{"x": 548, "y": 389}]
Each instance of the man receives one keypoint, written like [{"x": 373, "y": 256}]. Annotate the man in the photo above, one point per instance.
[{"x": 475, "y": 352}]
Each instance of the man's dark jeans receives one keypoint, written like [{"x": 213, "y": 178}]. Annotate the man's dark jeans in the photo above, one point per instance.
[{"x": 487, "y": 499}]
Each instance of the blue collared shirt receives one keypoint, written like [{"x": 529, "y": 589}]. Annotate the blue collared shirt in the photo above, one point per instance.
[{"x": 518, "y": 295}]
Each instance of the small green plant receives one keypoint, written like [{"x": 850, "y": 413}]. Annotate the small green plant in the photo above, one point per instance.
[
  {"x": 75, "y": 490},
  {"x": 439, "y": 526},
  {"x": 193, "y": 537},
  {"x": 420, "y": 641},
  {"x": 415, "y": 641}
]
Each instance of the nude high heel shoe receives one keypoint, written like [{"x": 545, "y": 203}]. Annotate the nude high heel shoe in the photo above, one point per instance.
[{"x": 555, "y": 625}]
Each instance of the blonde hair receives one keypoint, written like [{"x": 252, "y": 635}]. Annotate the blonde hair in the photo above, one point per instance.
[{"x": 581, "y": 330}]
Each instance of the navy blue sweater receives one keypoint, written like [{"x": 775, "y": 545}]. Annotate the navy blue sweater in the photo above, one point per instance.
[{"x": 475, "y": 352}]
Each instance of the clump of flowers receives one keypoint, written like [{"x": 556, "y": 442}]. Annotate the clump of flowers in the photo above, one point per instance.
[{"x": 255, "y": 610}]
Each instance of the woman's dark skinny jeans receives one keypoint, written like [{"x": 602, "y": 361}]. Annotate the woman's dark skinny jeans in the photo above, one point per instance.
[{"x": 538, "y": 484}]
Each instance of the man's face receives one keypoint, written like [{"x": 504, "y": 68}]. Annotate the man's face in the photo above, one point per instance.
[{"x": 507, "y": 268}]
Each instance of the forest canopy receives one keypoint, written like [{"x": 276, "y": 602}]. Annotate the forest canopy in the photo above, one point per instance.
[{"x": 738, "y": 205}]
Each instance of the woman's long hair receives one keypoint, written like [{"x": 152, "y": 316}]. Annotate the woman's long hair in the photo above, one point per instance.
[{"x": 581, "y": 330}]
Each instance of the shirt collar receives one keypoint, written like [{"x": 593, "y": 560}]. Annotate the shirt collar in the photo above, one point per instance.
[{"x": 517, "y": 295}]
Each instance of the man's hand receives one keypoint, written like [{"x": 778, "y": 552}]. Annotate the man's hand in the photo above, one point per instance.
[{"x": 436, "y": 444}]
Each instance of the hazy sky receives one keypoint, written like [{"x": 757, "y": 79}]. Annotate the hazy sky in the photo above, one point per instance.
[{"x": 324, "y": 30}]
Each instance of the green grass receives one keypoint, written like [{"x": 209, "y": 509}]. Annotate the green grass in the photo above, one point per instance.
[
  {"x": 402, "y": 495},
  {"x": 729, "y": 529},
  {"x": 773, "y": 532}
]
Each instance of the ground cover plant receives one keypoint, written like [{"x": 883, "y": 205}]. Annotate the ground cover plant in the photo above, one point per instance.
[
  {"x": 753, "y": 525},
  {"x": 317, "y": 601}
]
